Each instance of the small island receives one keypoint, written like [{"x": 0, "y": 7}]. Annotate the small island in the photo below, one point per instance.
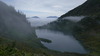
[{"x": 35, "y": 17}]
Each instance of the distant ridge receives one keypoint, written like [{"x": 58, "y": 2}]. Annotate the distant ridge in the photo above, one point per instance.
[
  {"x": 35, "y": 17},
  {"x": 52, "y": 17}
]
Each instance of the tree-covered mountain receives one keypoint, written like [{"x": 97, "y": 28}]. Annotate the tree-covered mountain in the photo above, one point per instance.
[
  {"x": 17, "y": 37},
  {"x": 15, "y": 28},
  {"x": 90, "y": 7},
  {"x": 87, "y": 30}
]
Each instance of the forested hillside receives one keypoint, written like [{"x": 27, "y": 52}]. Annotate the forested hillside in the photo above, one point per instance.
[
  {"x": 87, "y": 30},
  {"x": 90, "y": 7}
]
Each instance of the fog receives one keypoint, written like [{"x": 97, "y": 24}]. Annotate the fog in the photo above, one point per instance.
[
  {"x": 13, "y": 23},
  {"x": 40, "y": 21},
  {"x": 74, "y": 18}
]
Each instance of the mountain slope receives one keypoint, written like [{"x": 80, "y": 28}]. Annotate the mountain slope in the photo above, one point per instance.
[
  {"x": 90, "y": 7},
  {"x": 87, "y": 30},
  {"x": 17, "y": 38},
  {"x": 13, "y": 25}
]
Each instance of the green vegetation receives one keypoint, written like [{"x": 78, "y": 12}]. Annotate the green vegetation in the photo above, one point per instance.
[
  {"x": 7, "y": 48},
  {"x": 10, "y": 47},
  {"x": 87, "y": 31},
  {"x": 89, "y": 34},
  {"x": 17, "y": 38}
]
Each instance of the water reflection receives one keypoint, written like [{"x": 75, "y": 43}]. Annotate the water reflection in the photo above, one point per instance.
[{"x": 60, "y": 42}]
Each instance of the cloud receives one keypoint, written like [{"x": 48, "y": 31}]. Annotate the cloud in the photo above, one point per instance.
[
  {"x": 57, "y": 6},
  {"x": 50, "y": 7}
]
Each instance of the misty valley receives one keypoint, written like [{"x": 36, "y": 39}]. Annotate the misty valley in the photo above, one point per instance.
[
  {"x": 60, "y": 41},
  {"x": 49, "y": 28}
]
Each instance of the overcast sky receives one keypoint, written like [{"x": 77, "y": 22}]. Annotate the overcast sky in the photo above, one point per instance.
[{"x": 44, "y": 8}]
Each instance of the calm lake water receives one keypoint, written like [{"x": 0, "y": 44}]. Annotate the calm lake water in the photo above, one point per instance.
[{"x": 60, "y": 42}]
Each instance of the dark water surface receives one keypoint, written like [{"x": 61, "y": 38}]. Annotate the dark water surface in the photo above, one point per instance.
[{"x": 60, "y": 42}]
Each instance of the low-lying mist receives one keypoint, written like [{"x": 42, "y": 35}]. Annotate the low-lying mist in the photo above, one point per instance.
[
  {"x": 40, "y": 21},
  {"x": 13, "y": 23},
  {"x": 74, "y": 18}
]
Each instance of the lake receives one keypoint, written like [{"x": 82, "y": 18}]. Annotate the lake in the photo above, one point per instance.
[{"x": 60, "y": 42}]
